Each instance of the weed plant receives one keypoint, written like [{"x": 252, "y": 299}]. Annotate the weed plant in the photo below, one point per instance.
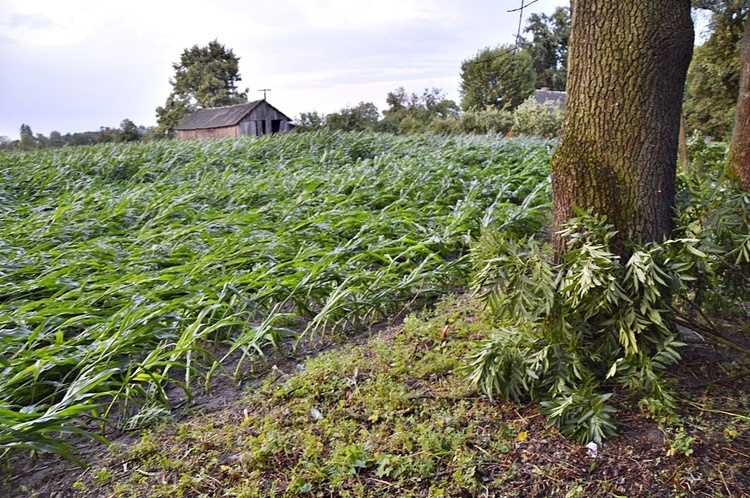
[{"x": 124, "y": 268}]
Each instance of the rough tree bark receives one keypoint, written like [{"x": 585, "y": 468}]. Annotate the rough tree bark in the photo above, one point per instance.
[
  {"x": 618, "y": 149},
  {"x": 739, "y": 151}
]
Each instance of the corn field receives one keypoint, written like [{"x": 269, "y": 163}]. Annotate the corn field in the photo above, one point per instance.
[{"x": 125, "y": 269}]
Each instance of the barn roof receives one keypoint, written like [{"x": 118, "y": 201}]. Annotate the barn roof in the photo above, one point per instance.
[
  {"x": 219, "y": 117},
  {"x": 545, "y": 95}
]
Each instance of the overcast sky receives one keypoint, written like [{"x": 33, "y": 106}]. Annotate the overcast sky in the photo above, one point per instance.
[{"x": 77, "y": 65}]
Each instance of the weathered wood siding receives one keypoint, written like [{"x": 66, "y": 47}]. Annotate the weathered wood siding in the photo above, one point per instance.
[
  {"x": 262, "y": 121},
  {"x": 228, "y": 131}
]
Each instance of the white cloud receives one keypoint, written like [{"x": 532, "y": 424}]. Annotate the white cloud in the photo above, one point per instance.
[
  {"x": 327, "y": 14},
  {"x": 77, "y": 65},
  {"x": 50, "y": 23}
]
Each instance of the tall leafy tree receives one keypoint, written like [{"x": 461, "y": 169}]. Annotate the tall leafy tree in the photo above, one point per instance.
[
  {"x": 496, "y": 78},
  {"x": 56, "y": 139},
  {"x": 363, "y": 116},
  {"x": 618, "y": 149},
  {"x": 714, "y": 75},
  {"x": 27, "y": 141},
  {"x": 739, "y": 151},
  {"x": 548, "y": 47},
  {"x": 412, "y": 113},
  {"x": 129, "y": 132},
  {"x": 204, "y": 77}
]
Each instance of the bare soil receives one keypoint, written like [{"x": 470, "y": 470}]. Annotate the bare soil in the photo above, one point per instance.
[{"x": 710, "y": 456}]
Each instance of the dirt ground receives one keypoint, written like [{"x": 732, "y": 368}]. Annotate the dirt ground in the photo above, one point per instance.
[{"x": 708, "y": 456}]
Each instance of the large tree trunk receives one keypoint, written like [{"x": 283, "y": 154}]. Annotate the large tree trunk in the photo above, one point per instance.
[
  {"x": 618, "y": 150},
  {"x": 739, "y": 151}
]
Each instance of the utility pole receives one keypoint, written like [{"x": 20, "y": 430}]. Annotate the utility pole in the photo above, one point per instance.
[{"x": 264, "y": 90}]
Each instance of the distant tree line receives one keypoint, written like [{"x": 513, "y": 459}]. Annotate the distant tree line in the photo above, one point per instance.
[
  {"x": 410, "y": 113},
  {"x": 497, "y": 88},
  {"x": 127, "y": 132}
]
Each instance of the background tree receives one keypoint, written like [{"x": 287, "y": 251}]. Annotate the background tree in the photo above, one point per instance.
[
  {"x": 618, "y": 149},
  {"x": 738, "y": 162},
  {"x": 204, "y": 77},
  {"x": 433, "y": 105},
  {"x": 129, "y": 132},
  {"x": 363, "y": 116},
  {"x": 713, "y": 77},
  {"x": 56, "y": 139},
  {"x": 171, "y": 114},
  {"x": 496, "y": 78},
  {"x": 107, "y": 135},
  {"x": 41, "y": 141},
  {"x": 27, "y": 141},
  {"x": 312, "y": 120},
  {"x": 548, "y": 47},
  {"x": 412, "y": 113}
]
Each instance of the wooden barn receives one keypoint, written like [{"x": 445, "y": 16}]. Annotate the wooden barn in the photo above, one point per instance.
[{"x": 254, "y": 118}]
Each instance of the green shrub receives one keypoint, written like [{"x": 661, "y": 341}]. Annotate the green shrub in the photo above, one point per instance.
[
  {"x": 567, "y": 334},
  {"x": 487, "y": 121},
  {"x": 711, "y": 208},
  {"x": 445, "y": 126},
  {"x": 537, "y": 120},
  {"x": 704, "y": 154}
]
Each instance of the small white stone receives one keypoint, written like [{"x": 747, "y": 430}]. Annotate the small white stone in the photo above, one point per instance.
[{"x": 593, "y": 449}]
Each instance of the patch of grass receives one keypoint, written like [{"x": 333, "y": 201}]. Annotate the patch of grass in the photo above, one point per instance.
[
  {"x": 381, "y": 419},
  {"x": 395, "y": 417}
]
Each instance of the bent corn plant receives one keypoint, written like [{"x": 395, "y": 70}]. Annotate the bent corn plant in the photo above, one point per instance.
[{"x": 124, "y": 268}]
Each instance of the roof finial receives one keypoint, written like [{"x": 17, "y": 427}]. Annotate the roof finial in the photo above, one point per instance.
[{"x": 264, "y": 90}]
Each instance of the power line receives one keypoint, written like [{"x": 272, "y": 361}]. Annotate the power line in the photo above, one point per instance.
[
  {"x": 523, "y": 6},
  {"x": 518, "y": 34}
]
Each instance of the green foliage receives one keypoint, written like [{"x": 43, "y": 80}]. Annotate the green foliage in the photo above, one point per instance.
[
  {"x": 397, "y": 420},
  {"x": 711, "y": 93},
  {"x": 496, "y": 78},
  {"x": 681, "y": 443},
  {"x": 6, "y": 143},
  {"x": 487, "y": 121},
  {"x": 207, "y": 76},
  {"x": 362, "y": 117},
  {"x": 705, "y": 155},
  {"x": 548, "y": 47},
  {"x": 529, "y": 119},
  {"x": 27, "y": 141},
  {"x": 204, "y": 77},
  {"x": 533, "y": 119},
  {"x": 129, "y": 132},
  {"x": 449, "y": 126},
  {"x": 127, "y": 268},
  {"x": 713, "y": 210},
  {"x": 566, "y": 332},
  {"x": 169, "y": 116},
  {"x": 310, "y": 121},
  {"x": 713, "y": 79},
  {"x": 412, "y": 113}
]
